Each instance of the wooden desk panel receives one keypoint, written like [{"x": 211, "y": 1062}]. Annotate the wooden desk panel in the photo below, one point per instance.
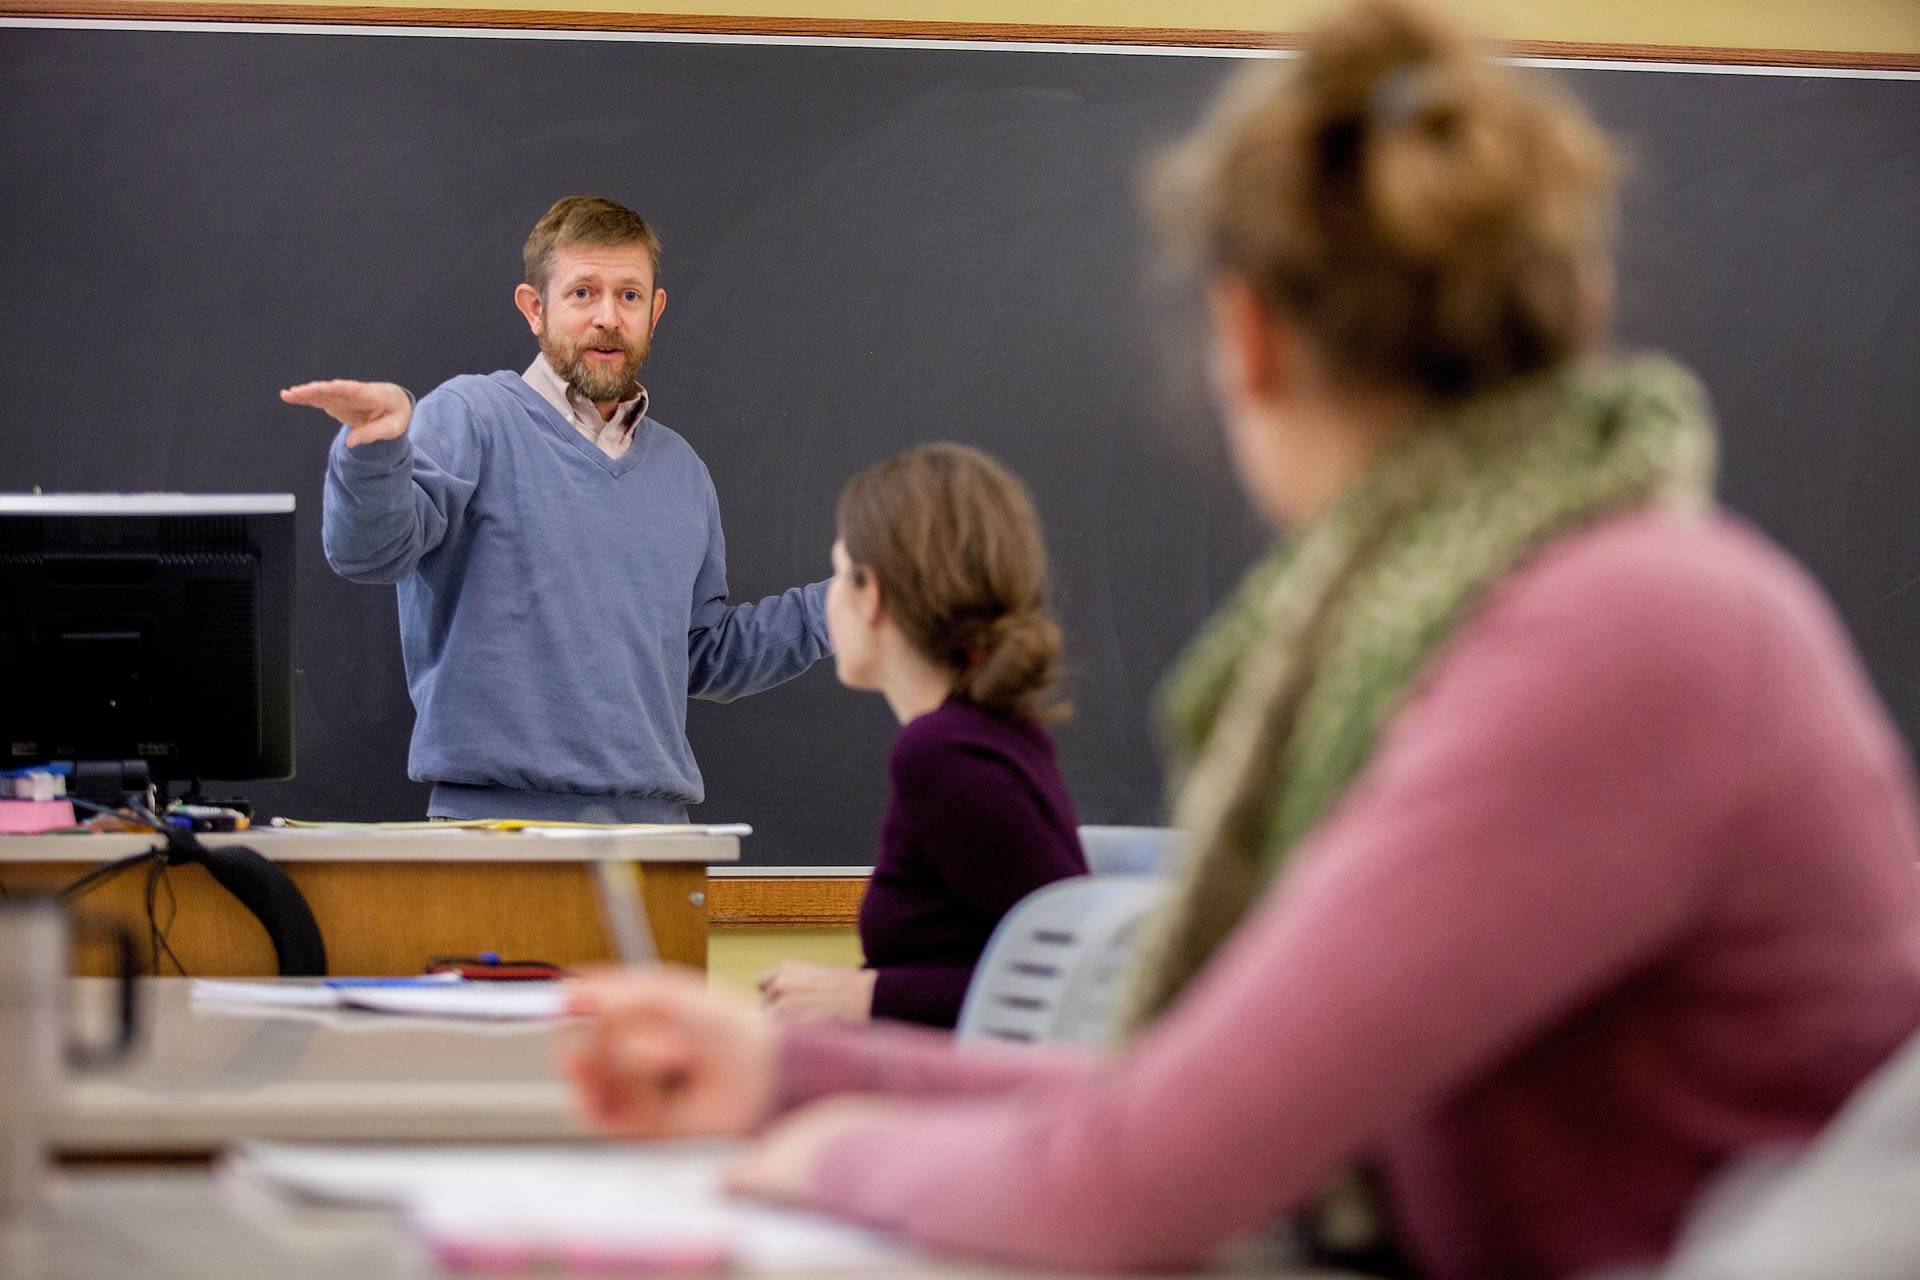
[
  {"x": 392, "y": 917},
  {"x": 389, "y": 902}
]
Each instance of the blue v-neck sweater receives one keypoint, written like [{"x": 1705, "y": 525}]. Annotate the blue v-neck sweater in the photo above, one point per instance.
[{"x": 557, "y": 606}]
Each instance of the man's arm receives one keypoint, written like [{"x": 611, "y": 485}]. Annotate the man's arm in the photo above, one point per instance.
[
  {"x": 398, "y": 477},
  {"x": 737, "y": 649}
]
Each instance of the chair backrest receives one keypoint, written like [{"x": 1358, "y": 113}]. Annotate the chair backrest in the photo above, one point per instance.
[
  {"x": 1055, "y": 966},
  {"x": 1129, "y": 851}
]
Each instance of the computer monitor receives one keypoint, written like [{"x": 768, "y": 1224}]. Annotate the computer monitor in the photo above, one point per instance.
[{"x": 153, "y": 628}]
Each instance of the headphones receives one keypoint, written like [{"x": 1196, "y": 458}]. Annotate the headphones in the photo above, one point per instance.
[{"x": 266, "y": 891}]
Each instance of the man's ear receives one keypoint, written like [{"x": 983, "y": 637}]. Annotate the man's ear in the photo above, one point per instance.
[
  {"x": 527, "y": 299},
  {"x": 659, "y": 305}
]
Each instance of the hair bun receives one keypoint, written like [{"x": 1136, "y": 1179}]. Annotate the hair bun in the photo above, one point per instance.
[
  {"x": 1445, "y": 171},
  {"x": 1012, "y": 664},
  {"x": 1429, "y": 217}
]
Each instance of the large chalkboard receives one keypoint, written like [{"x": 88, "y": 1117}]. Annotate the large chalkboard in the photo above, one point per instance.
[{"x": 866, "y": 247}]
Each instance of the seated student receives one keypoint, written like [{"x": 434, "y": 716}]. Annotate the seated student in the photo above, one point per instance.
[
  {"x": 1550, "y": 851},
  {"x": 938, "y": 602}
]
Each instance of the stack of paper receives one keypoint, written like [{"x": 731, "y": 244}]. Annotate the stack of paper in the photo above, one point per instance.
[
  {"x": 427, "y": 996},
  {"x": 493, "y": 1001},
  {"x": 527, "y": 826}
]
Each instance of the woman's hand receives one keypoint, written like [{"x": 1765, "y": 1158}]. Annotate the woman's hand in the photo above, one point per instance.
[
  {"x": 796, "y": 991},
  {"x": 661, "y": 1056},
  {"x": 780, "y": 1165}
]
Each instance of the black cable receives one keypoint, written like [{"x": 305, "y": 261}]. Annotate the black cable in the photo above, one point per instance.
[
  {"x": 156, "y": 859},
  {"x": 157, "y": 943},
  {"x": 153, "y": 925},
  {"x": 181, "y": 846},
  {"x": 108, "y": 870},
  {"x": 262, "y": 887}
]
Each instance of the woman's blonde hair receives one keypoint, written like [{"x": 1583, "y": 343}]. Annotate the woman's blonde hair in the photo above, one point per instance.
[
  {"x": 954, "y": 543},
  {"x": 1431, "y": 220}
]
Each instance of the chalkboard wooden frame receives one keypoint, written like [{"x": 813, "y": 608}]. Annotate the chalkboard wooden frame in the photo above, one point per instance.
[{"x": 897, "y": 29}]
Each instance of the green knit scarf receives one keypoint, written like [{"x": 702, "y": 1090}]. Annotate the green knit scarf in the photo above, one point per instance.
[{"x": 1278, "y": 705}]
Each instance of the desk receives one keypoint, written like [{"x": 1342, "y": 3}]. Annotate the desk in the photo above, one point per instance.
[
  {"x": 387, "y": 901},
  {"x": 204, "y": 1077},
  {"x": 112, "y": 1224}
]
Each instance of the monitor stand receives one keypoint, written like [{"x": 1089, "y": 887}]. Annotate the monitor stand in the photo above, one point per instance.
[{"x": 111, "y": 782}]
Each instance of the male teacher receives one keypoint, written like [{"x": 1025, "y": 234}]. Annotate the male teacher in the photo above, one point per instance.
[{"x": 562, "y": 575}]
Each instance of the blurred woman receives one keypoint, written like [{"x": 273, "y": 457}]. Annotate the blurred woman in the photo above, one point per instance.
[{"x": 1550, "y": 851}]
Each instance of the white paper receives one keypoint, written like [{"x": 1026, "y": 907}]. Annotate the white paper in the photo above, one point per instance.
[
  {"x": 498, "y": 1001},
  {"x": 282, "y": 994},
  {"x": 636, "y": 829},
  {"x": 607, "y": 1197},
  {"x": 431, "y": 996}
]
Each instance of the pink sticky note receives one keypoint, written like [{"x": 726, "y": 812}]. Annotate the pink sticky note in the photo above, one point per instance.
[{"x": 28, "y": 817}]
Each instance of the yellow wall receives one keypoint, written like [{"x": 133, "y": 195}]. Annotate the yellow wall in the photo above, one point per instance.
[
  {"x": 1879, "y": 26},
  {"x": 735, "y": 957}
]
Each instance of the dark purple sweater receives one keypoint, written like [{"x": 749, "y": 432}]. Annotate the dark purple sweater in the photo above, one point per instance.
[{"x": 978, "y": 819}]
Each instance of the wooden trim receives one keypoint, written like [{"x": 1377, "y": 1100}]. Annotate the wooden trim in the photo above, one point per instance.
[
  {"x": 785, "y": 902},
  {"x": 1709, "y": 55},
  {"x": 887, "y": 28},
  {"x": 592, "y": 20}
]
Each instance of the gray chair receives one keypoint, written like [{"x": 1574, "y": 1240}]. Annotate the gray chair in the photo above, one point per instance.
[
  {"x": 1129, "y": 851},
  {"x": 1056, "y": 965}
]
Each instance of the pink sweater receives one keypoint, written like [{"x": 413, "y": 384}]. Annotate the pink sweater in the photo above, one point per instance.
[{"x": 1629, "y": 888}]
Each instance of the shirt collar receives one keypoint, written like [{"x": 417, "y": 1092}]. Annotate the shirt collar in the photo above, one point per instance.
[{"x": 542, "y": 377}]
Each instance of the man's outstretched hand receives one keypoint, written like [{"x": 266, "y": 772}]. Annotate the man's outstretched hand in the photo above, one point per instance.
[{"x": 369, "y": 410}]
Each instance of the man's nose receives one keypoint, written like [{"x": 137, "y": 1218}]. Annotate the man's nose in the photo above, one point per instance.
[{"x": 607, "y": 315}]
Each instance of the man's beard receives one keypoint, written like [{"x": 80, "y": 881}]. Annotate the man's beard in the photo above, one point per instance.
[{"x": 597, "y": 380}]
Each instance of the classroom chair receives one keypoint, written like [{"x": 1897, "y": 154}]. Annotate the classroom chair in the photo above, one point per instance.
[
  {"x": 1129, "y": 851},
  {"x": 1056, "y": 965}
]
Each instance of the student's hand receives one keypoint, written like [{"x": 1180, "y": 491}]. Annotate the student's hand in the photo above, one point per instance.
[
  {"x": 369, "y": 410},
  {"x": 798, "y": 991},
  {"x": 661, "y": 1056},
  {"x": 780, "y": 1165}
]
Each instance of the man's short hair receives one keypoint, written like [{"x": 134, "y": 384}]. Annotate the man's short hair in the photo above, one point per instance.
[{"x": 585, "y": 220}]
